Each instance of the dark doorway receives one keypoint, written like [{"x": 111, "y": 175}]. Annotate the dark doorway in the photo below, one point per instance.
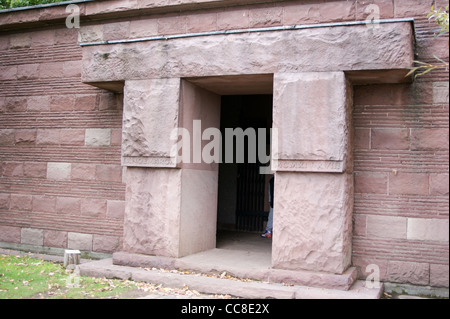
[{"x": 242, "y": 194}]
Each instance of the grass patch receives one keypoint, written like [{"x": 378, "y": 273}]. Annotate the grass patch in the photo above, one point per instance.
[{"x": 23, "y": 277}]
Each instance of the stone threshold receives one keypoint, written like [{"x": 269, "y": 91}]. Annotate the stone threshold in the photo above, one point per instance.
[
  {"x": 218, "y": 263},
  {"x": 216, "y": 285}
]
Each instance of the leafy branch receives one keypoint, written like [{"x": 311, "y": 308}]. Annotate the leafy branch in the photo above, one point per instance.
[
  {"x": 440, "y": 17},
  {"x": 9, "y": 4}
]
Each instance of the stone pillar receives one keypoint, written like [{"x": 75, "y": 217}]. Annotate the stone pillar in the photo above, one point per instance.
[
  {"x": 312, "y": 159},
  {"x": 171, "y": 206}
]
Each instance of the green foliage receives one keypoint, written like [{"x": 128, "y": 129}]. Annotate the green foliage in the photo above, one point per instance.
[
  {"x": 440, "y": 17},
  {"x": 26, "y": 277},
  {"x": 8, "y": 4}
]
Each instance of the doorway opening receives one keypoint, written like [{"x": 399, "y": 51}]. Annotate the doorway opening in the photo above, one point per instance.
[{"x": 243, "y": 201}]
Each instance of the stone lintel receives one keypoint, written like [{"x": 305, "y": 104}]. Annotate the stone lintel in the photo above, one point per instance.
[{"x": 351, "y": 49}]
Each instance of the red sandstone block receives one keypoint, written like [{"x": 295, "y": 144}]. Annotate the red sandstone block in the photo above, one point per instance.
[
  {"x": 233, "y": 19},
  {"x": 59, "y": 12},
  {"x": 48, "y": 136},
  {"x": 106, "y": 244},
  {"x": 72, "y": 69},
  {"x": 38, "y": 103},
  {"x": 93, "y": 207},
  {"x": 408, "y": 183},
  {"x": 8, "y": 72},
  {"x": 83, "y": 171},
  {"x": 417, "y": 93},
  {"x": 72, "y": 136},
  {"x": 10, "y": 234},
  {"x": 28, "y": 71},
  {"x": 116, "y": 30},
  {"x": 4, "y": 42},
  {"x": 115, "y": 209},
  {"x": 20, "y": 40},
  {"x": 371, "y": 183},
  {"x": 369, "y": 9},
  {"x": 66, "y": 36},
  {"x": 15, "y": 104},
  {"x": 201, "y": 22},
  {"x": 143, "y": 28},
  {"x": 86, "y": 102},
  {"x": 439, "y": 275},
  {"x": 51, "y": 70},
  {"x": 108, "y": 173},
  {"x": 390, "y": 139},
  {"x": 112, "y": 6},
  {"x": 411, "y": 8},
  {"x": 386, "y": 227},
  {"x": 110, "y": 101},
  {"x": 54, "y": 238},
  {"x": 68, "y": 205},
  {"x": 62, "y": 103},
  {"x": 431, "y": 47},
  {"x": 35, "y": 169},
  {"x": 7, "y": 136},
  {"x": 42, "y": 38},
  {"x": 20, "y": 202},
  {"x": 42, "y": 203},
  {"x": 409, "y": 272},
  {"x": 171, "y": 24},
  {"x": 4, "y": 200},
  {"x": 25, "y": 136},
  {"x": 319, "y": 12},
  {"x": 439, "y": 184},
  {"x": 362, "y": 138},
  {"x": 265, "y": 17},
  {"x": 116, "y": 137},
  {"x": 11, "y": 169},
  {"x": 2, "y": 104},
  {"x": 359, "y": 224},
  {"x": 430, "y": 139}
]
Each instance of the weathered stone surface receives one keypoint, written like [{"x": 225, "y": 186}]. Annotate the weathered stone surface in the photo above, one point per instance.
[
  {"x": 54, "y": 238},
  {"x": 428, "y": 229},
  {"x": 440, "y": 93},
  {"x": 97, "y": 137},
  {"x": 312, "y": 222},
  {"x": 20, "y": 202},
  {"x": 32, "y": 236},
  {"x": 10, "y": 234},
  {"x": 59, "y": 171},
  {"x": 386, "y": 226},
  {"x": 105, "y": 243},
  {"x": 79, "y": 241},
  {"x": 409, "y": 272},
  {"x": 311, "y": 116},
  {"x": 152, "y": 212},
  {"x": 439, "y": 275},
  {"x": 150, "y": 114},
  {"x": 342, "y": 49}
]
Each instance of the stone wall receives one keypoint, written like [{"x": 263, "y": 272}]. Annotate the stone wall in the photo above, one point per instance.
[
  {"x": 60, "y": 174},
  {"x": 61, "y": 182}
]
